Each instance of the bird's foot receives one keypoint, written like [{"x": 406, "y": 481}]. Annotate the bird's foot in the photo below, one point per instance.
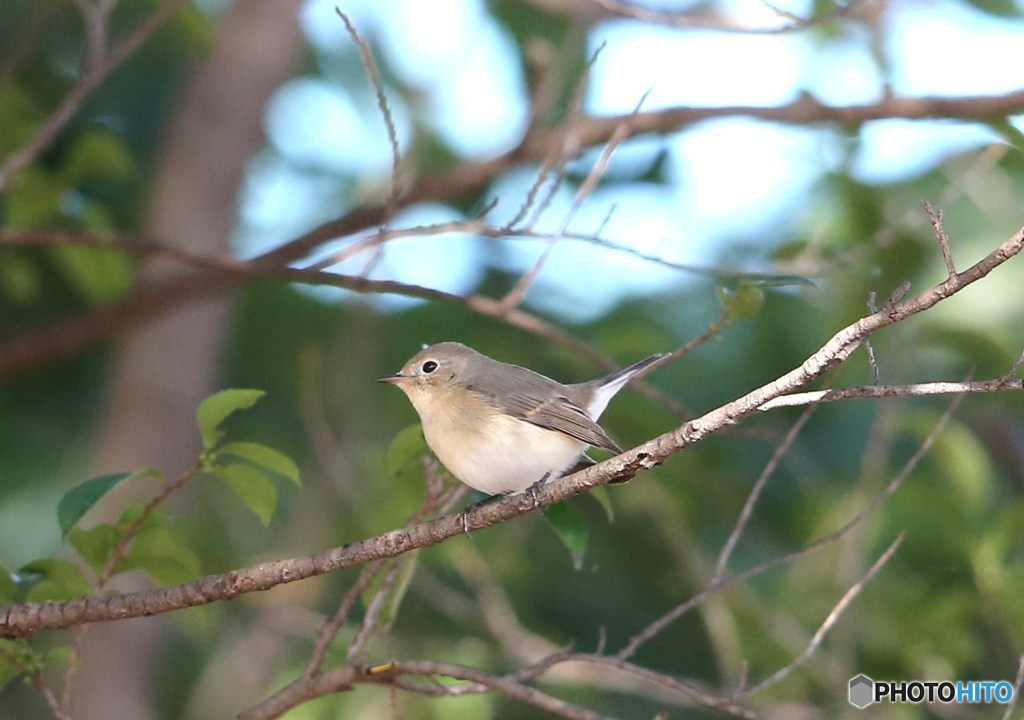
[
  {"x": 473, "y": 506},
  {"x": 532, "y": 490}
]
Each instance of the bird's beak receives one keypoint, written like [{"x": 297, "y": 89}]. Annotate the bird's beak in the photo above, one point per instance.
[{"x": 397, "y": 379}]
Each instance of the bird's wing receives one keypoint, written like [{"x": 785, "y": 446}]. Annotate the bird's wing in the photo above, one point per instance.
[{"x": 561, "y": 414}]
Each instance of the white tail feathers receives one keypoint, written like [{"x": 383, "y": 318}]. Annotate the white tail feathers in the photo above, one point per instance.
[{"x": 608, "y": 387}]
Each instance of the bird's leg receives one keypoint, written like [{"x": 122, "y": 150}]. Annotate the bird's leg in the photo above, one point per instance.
[
  {"x": 532, "y": 490},
  {"x": 473, "y": 506}
]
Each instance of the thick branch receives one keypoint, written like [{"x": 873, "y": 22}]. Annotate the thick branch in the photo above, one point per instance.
[
  {"x": 591, "y": 131},
  {"x": 73, "y": 335}
]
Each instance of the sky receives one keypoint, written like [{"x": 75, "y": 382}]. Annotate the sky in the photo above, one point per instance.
[{"x": 726, "y": 178}]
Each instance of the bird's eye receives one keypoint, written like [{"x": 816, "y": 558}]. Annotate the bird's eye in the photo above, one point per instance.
[{"x": 429, "y": 366}]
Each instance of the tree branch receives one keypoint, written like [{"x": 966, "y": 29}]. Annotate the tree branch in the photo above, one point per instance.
[
  {"x": 30, "y": 618},
  {"x": 72, "y": 335},
  {"x": 1002, "y": 384},
  {"x": 346, "y": 676},
  {"x": 699, "y": 21}
]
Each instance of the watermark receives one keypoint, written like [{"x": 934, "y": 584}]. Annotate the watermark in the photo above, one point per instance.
[{"x": 864, "y": 691}]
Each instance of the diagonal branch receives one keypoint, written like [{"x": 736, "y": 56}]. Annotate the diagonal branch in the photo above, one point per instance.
[
  {"x": 30, "y": 618},
  {"x": 831, "y": 619}
]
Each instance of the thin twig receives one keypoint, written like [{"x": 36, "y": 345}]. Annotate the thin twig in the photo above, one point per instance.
[
  {"x": 935, "y": 217},
  {"x": 828, "y": 623},
  {"x": 136, "y": 245},
  {"x": 568, "y": 147},
  {"x": 1017, "y": 364},
  {"x": 515, "y": 296},
  {"x": 382, "y": 103},
  {"x": 876, "y": 375},
  {"x": 755, "y": 492},
  {"x": 96, "y": 18},
  {"x": 1018, "y": 685},
  {"x": 372, "y": 616},
  {"x": 701, "y": 22},
  {"x": 54, "y": 706},
  {"x": 688, "y": 690},
  {"x": 1003, "y": 384},
  {"x": 554, "y": 160},
  {"x": 330, "y": 628}
]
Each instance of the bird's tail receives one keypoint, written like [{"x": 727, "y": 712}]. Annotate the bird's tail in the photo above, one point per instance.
[{"x": 607, "y": 386}]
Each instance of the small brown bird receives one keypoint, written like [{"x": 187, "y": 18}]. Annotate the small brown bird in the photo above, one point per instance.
[{"x": 501, "y": 428}]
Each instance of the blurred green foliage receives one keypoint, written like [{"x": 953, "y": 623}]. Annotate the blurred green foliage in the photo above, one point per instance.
[{"x": 947, "y": 606}]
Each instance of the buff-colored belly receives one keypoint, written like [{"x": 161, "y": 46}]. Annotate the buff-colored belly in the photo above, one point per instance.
[{"x": 501, "y": 455}]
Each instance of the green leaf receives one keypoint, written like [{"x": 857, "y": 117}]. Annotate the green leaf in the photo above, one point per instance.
[
  {"x": 77, "y": 501},
  {"x": 963, "y": 457},
  {"x": 998, "y": 8},
  {"x": 7, "y": 585},
  {"x": 393, "y": 602},
  {"x": 266, "y": 457},
  {"x": 130, "y": 514},
  {"x": 406, "y": 450},
  {"x": 748, "y": 301},
  {"x": 160, "y": 552},
  {"x": 99, "y": 155},
  {"x": 18, "y": 277},
  {"x": 96, "y": 544},
  {"x": 100, "y": 274},
  {"x": 34, "y": 199},
  {"x": 399, "y": 589},
  {"x": 254, "y": 488},
  {"x": 18, "y": 118},
  {"x": 215, "y": 409},
  {"x": 743, "y": 301},
  {"x": 58, "y": 656},
  {"x": 62, "y": 580},
  {"x": 1009, "y": 132},
  {"x": 196, "y": 26},
  {"x": 569, "y": 527},
  {"x": 15, "y": 658}
]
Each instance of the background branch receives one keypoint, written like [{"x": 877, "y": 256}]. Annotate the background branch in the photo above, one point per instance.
[{"x": 69, "y": 336}]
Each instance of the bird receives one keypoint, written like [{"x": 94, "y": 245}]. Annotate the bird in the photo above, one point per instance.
[{"x": 503, "y": 429}]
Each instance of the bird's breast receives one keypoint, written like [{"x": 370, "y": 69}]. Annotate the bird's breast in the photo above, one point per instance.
[{"x": 497, "y": 453}]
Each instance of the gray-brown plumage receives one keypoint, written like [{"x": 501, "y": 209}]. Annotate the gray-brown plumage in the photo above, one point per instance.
[{"x": 500, "y": 427}]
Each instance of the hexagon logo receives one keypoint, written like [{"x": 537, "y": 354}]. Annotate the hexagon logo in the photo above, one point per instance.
[{"x": 862, "y": 691}]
